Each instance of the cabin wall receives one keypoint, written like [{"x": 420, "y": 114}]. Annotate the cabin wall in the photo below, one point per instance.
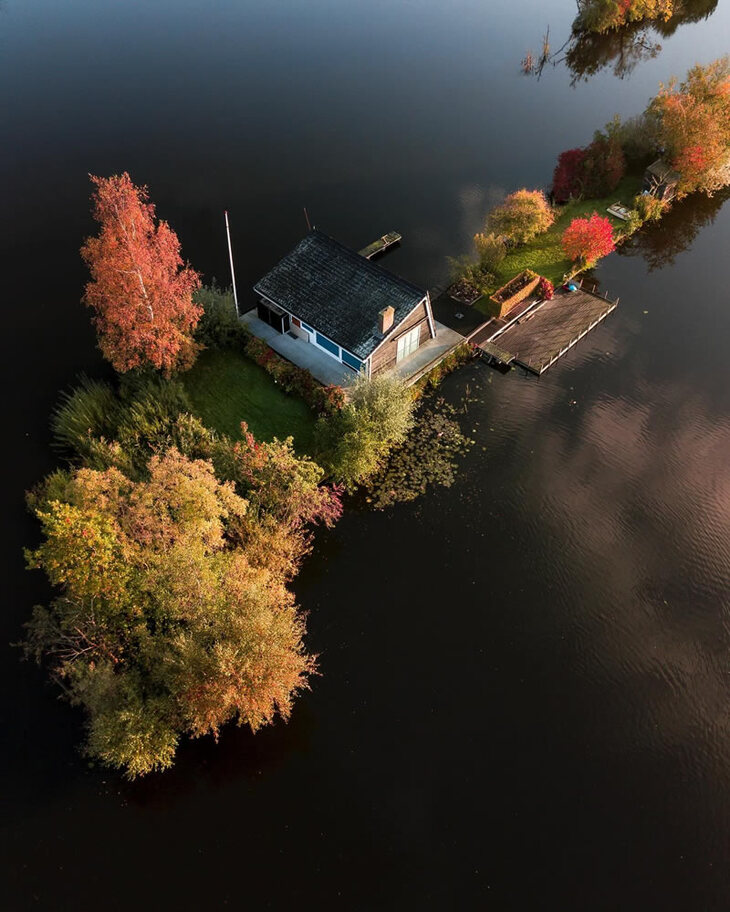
[{"x": 384, "y": 357}]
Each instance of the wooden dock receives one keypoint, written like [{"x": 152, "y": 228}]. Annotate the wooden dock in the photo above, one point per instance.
[
  {"x": 547, "y": 331},
  {"x": 534, "y": 334},
  {"x": 381, "y": 245}
]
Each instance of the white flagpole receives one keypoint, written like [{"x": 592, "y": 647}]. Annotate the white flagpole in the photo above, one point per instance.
[{"x": 230, "y": 256}]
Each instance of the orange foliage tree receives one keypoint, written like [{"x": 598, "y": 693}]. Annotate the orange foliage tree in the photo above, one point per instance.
[
  {"x": 604, "y": 15},
  {"x": 588, "y": 240},
  {"x": 167, "y": 623},
  {"x": 522, "y": 216},
  {"x": 692, "y": 122},
  {"x": 140, "y": 290}
]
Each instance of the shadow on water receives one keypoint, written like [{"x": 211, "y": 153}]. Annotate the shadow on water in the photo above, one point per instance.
[{"x": 244, "y": 758}]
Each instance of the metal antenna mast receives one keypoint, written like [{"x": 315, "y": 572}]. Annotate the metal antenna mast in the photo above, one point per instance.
[{"x": 230, "y": 257}]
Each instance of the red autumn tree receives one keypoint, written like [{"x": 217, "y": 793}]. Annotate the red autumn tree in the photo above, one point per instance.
[
  {"x": 591, "y": 172},
  {"x": 603, "y": 165},
  {"x": 140, "y": 290},
  {"x": 588, "y": 240},
  {"x": 568, "y": 176}
]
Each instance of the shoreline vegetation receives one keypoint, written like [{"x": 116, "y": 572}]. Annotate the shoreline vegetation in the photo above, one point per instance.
[
  {"x": 622, "y": 33},
  {"x": 606, "y": 15},
  {"x": 173, "y": 529},
  {"x": 191, "y": 486},
  {"x": 686, "y": 125}
]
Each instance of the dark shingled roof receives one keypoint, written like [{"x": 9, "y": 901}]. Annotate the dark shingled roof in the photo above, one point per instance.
[
  {"x": 338, "y": 292},
  {"x": 663, "y": 171}
]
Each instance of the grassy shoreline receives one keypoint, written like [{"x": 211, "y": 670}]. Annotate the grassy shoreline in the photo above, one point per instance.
[
  {"x": 544, "y": 255},
  {"x": 226, "y": 388}
]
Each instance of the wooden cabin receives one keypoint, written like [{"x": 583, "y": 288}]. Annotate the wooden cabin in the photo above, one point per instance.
[
  {"x": 347, "y": 306},
  {"x": 661, "y": 180}
]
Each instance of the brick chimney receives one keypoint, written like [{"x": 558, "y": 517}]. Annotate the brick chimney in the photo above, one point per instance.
[{"x": 386, "y": 318}]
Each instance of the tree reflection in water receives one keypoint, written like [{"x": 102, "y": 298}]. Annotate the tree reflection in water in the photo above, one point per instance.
[
  {"x": 660, "y": 242},
  {"x": 587, "y": 53}
]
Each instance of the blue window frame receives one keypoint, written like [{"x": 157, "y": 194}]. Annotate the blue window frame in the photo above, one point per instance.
[
  {"x": 327, "y": 345},
  {"x": 351, "y": 361},
  {"x": 308, "y": 328}
]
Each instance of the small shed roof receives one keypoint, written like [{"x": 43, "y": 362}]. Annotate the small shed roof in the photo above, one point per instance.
[
  {"x": 338, "y": 292},
  {"x": 663, "y": 171}
]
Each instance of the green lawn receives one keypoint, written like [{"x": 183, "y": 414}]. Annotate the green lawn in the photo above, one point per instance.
[
  {"x": 226, "y": 387},
  {"x": 544, "y": 255}
]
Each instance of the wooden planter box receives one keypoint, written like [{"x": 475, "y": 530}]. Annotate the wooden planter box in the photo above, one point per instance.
[{"x": 516, "y": 290}]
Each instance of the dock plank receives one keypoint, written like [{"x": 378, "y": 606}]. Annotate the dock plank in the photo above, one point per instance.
[{"x": 548, "y": 331}]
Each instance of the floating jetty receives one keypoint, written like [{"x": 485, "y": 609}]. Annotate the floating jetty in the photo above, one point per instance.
[
  {"x": 545, "y": 332},
  {"x": 535, "y": 333},
  {"x": 381, "y": 245}
]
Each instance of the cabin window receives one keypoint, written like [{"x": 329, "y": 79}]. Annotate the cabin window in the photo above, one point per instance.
[
  {"x": 351, "y": 361},
  {"x": 408, "y": 343},
  {"x": 308, "y": 328},
  {"x": 325, "y": 343}
]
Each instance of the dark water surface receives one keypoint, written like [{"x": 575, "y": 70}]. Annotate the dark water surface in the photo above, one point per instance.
[{"x": 526, "y": 678}]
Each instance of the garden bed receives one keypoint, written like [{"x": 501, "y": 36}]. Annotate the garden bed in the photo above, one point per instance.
[
  {"x": 464, "y": 292},
  {"x": 516, "y": 290}
]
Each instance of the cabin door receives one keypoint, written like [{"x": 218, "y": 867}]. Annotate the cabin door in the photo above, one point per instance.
[{"x": 277, "y": 318}]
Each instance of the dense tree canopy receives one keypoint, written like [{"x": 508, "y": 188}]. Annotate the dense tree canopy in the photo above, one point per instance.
[
  {"x": 592, "y": 172},
  {"x": 165, "y": 625},
  {"x": 522, "y": 216},
  {"x": 171, "y": 548},
  {"x": 140, "y": 291},
  {"x": 691, "y": 121},
  {"x": 587, "y": 240}
]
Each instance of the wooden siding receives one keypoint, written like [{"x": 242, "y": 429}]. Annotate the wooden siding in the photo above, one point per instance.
[{"x": 384, "y": 357}]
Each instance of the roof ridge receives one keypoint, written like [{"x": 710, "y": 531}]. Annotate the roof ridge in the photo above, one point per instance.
[
  {"x": 364, "y": 261},
  {"x": 338, "y": 292}
]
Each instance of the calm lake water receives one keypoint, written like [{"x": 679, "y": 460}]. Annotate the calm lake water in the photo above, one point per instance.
[{"x": 526, "y": 677}]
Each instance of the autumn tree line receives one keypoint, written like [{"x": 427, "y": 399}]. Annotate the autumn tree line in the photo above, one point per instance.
[
  {"x": 687, "y": 124},
  {"x": 618, "y": 32},
  {"x": 602, "y": 16},
  {"x": 170, "y": 547}
]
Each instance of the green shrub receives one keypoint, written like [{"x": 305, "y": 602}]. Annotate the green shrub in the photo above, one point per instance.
[
  {"x": 107, "y": 428},
  {"x": 219, "y": 326},
  {"x": 636, "y": 138},
  {"x": 293, "y": 379},
  {"x": 649, "y": 207},
  {"x": 150, "y": 408},
  {"x": 491, "y": 250},
  {"x": 353, "y": 442},
  {"x": 88, "y": 412}
]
